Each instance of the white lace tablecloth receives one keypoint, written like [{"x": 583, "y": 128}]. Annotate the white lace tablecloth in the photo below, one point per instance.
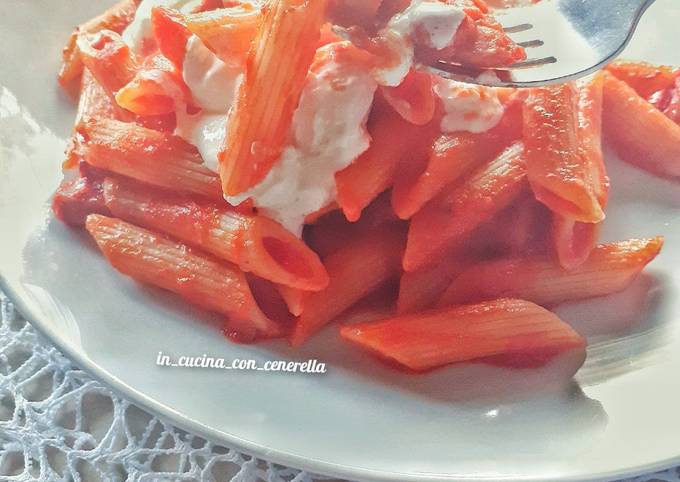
[{"x": 58, "y": 424}]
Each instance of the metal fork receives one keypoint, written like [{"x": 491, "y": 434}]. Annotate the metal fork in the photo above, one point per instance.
[{"x": 564, "y": 40}]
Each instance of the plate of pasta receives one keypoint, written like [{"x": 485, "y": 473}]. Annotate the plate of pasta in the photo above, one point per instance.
[{"x": 280, "y": 185}]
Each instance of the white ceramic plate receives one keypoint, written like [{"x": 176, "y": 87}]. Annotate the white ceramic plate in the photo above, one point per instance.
[{"x": 361, "y": 420}]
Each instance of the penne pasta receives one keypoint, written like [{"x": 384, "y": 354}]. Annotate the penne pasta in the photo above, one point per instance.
[
  {"x": 480, "y": 42},
  {"x": 171, "y": 33},
  {"x": 420, "y": 290},
  {"x": 268, "y": 298},
  {"x": 396, "y": 145},
  {"x": 109, "y": 59},
  {"x": 589, "y": 115},
  {"x": 209, "y": 5},
  {"x": 672, "y": 110},
  {"x": 562, "y": 134},
  {"x": 521, "y": 228},
  {"x": 518, "y": 230},
  {"x": 114, "y": 19},
  {"x": 276, "y": 70},
  {"x": 639, "y": 133},
  {"x": 93, "y": 102},
  {"x": 333, "y": 232},
  {"x": 256, "y": 244},
  {"x": 157, "y": 89},
  {"x": 78, "y": 198},
  {"x": 505, "y": 331},
  {"x": 355, "y": 271},
  {"x": 458, "y": 216},
  {"x": 451, "y": 218},
  {"x": 414, "y": 98},
  {"x": 651, "y": 82},
  {"x": 147, "y": 155},
  {"x": 389, "y": 8},
  {"x": 609, "y": 269},
  {"x": 155, "y": 260},
  {"x": 228, "y": 32},
  {"x": 573, "y": 241},
  {"x": 350, "y": 13},
  {"x": 319, "y": 214},
  {"x": 294, "y": 299},
  {"x": 452, "y": 157},
  {"x": 328, "y": 35}
]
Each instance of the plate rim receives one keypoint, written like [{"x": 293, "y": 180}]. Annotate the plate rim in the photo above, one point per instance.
[{"x": 278, "y": 456}]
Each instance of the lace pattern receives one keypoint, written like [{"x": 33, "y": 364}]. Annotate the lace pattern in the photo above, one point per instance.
[{"x": 58, "y": 424}]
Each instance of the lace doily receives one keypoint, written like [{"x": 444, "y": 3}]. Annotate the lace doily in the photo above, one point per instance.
[{"x": 58, "y": 424}]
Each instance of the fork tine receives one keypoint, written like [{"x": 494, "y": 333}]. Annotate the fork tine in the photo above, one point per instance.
[
  {"x": 518, "y": 28},
  {"x": 531, "y": 43},
  {"x": 562, "y": 39},
  {"x": 526, "y": 64}
]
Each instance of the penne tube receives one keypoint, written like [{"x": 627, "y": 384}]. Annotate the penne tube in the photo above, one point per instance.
[
  {"x": 270, "y": 301},
  {"x": 328, "y": 35},
  {"x": 355, "y": 271},
  {"x": 518, "y": 229},
  {"x": 573, "y": 241},
  {"x": 651, "y": 82},
  {"x": 171, "y": 33},
  {"x": 256, "y": 244},
  {"x": 395, "y": 144},
  {"x": 155, "y": 260},
  {"x": 294, "y": 298},
  {"x": 562, "y": 134},
  {"x": 609, "y": 269},
  {"x": 276, "y": 70},
  {"x": 228, "y": 32},
  {"x": 109, "y": 59},
  {"x": 420, "y": 290},
  {"x": 452, "y": 157},
  {"x": 414, "y": 98},
  {"x": 333, "y": 232},
  {"x": 149, "y": 156},
  {"x": 480, "y": 42},
  {"x": 350, "y": 13},
  {"x": 590, "y": 105},
  {"x": 672, "y": 110},
  {"x": 450, "y": 219},
  {"x": 521, "y": 228},
  {"x": 314, "y": 217},
  {"x": 157, "y": 89},
  {"x": 114, "y": 19},
  {"x": 93, "y": 102},
  {"x": 639, "y": 133},
  {"x": 208, "y": 5},
  {"x": 508, "y": 332},
  {"x": 77, "y": 198}
]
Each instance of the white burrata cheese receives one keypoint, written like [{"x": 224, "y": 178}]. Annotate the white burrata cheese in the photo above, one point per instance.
[
  {"x": 468, "y": 107},
  {"x": 401, "y": 62},
  {"x": 328, "y": 131},
  {"x": 140, "y": 28},
  {"x": 328, "y": 134},
  {"x": 213, "y": 85},
  {"x": 428, "y": 22},
  {"x": 205, "y": 130}
]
